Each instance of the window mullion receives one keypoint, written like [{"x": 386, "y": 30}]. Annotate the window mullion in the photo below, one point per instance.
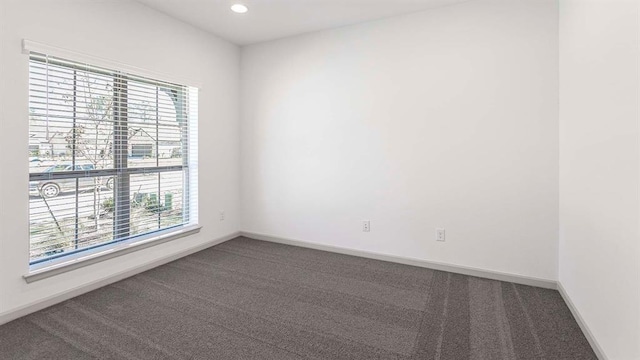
[
  {"x": 122, "y": 219},
  {"x": 158, "y": 152},
  {"x": 74, "y": 130}
]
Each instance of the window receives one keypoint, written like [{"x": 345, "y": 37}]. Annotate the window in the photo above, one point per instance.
[{"x": 115, "y": 154}]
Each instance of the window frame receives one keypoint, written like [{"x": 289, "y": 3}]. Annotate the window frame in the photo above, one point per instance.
[{"x": 121, "y": 171}]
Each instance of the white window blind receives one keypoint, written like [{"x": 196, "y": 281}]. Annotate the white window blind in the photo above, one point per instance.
[{"x": 113, "y": 156}]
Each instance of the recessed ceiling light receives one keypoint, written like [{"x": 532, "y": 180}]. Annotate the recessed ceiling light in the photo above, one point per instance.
[{"x": 239, "y": 8}]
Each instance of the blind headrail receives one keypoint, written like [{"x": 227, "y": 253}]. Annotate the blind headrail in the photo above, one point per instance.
[{"x": 29, "y": 46}]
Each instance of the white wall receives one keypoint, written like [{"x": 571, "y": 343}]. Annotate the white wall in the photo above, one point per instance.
[
  {"x": 127, "y": 32},
  {"x": 599, "y": 169},
  {"x": 445, "y": 118}
]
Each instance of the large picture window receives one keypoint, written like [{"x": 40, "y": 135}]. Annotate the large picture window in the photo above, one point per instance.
[{"x": 111, "y": 157}]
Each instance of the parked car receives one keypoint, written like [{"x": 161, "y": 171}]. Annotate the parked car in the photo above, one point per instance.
[{"x": 52, "y": 188}]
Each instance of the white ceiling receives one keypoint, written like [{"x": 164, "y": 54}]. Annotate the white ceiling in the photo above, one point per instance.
[{"x": 274, "y": 19}]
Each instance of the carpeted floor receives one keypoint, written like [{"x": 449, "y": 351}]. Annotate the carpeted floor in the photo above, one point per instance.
[{"x": 248, "y": 299}]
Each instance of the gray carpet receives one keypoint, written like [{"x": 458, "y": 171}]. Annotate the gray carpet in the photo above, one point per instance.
[{"x": 248, "y": 299}]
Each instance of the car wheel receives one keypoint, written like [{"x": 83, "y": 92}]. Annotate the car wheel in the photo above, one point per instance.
[
  {"x": 50, "y": 190},
  {"x": 110, "y": 184}
]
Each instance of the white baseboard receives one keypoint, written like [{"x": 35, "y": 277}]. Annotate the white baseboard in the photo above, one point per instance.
[
  {"x": 458, "y": 269},
  {"x": 85, "y": 288},
  {"x": 583, "y": 325}
]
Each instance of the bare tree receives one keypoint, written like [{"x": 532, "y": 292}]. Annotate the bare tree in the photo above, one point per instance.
[{"x": 91, "y": 137}]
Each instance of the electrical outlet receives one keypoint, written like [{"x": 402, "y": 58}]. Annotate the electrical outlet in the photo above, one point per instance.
[
  {"x": 366, "y": 226},
  {"x": 221, "y": 215},
  {"x": 440, "y": 234}
]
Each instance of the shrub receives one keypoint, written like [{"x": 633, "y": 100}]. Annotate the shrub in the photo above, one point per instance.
[{"x": 109, "y": 205}]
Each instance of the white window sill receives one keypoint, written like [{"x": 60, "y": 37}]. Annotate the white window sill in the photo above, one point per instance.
[{"x": 51, "y": 268}]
